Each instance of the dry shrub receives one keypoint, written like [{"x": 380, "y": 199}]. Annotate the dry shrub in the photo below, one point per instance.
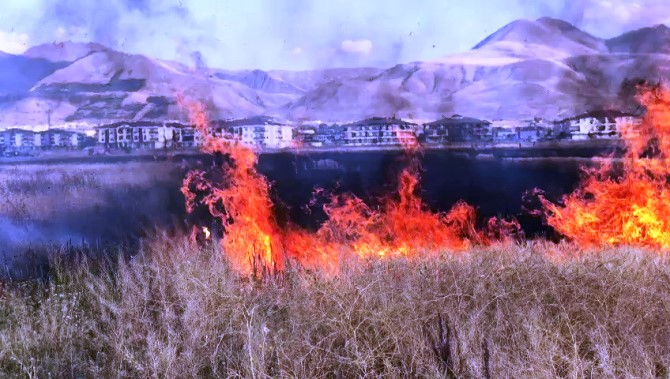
[{"x": 177, "y": 310}]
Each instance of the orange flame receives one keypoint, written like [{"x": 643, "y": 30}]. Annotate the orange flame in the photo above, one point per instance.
[
  {"x": 624, "y": 202},
  {"x": 253, "y": 240}
]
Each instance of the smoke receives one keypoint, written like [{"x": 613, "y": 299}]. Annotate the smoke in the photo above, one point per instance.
[
  {"x": 13, "y": 42},
  {"x": 604, "y": 18},
  {"x": 163, "y": 29},
  {"x": 113, "y": 22},
  {"x": 268, "y": 34},
  {"x": 362, "y": 46},
  {"x": 198, "y": 60}
]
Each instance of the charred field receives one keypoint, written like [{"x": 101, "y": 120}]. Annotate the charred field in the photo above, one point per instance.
[{"x": 107, "y": 204}]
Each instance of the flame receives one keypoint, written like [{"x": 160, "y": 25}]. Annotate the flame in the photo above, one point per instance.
[
  {"x": 206, "y": 232},
  {"x": 402, "y": 225},
  {"x": 626, "y": 201}
]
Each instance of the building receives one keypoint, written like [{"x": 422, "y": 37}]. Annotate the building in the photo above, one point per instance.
[
  {"x": 278, "y": 136},
  {"x": 106, "y": 135},
  {"x": 380, "y": 131},
  {"x": 124, "y": 136},
  {"x": 598, "y": 124},
  {"x": 23, "y": 140},
  {"x": 186, "y": 136},
  {"x": 506, "y": 131},
  {"x": 146, "y": 135},
  {"x": 457, "y": 129},
  {"x": 256, "y": 132},
  {"x": 59, "y": 138},
  {"x": 18, "y": 139},
  {"x": 322, "y": 135}
]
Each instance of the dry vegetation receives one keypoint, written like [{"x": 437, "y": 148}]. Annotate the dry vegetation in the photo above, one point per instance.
[
  {"x": 40, "y": 192},
  {"x": 176, "y": 310}
]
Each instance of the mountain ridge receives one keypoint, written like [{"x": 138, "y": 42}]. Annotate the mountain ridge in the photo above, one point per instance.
[{"x": 528, "y": 68}]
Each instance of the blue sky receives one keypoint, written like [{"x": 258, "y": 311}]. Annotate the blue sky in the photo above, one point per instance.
[{"x": 301, "y": 34}]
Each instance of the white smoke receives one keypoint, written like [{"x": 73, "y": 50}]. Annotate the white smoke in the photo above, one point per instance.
[
  {"x": 13, "y": 43},
  {"x": 361, "y": 46}
]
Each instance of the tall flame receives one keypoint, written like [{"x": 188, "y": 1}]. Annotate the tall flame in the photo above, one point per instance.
[
  {"x": 624, "y": 201},
  {"x": 253, "y": 240}
]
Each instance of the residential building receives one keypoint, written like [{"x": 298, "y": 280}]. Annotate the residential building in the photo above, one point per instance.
[
  {"x": 598, "y": 124},
  {"x": 321, "y": 135},
  {"x": 457, "y": 129},
  {"x": 256, "y": 132},
  {"x": 142, "y": 134},
  {"x": 278, "y": 136},
  {"x": 18, "y": 139},
  {"x": 380, "y": 131}
]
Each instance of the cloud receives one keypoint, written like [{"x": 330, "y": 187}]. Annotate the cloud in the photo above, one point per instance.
[
  {"x": 13, "y": 43},
  {"x": 360, "y": 46},
  {"x": 297, "y": 50}
]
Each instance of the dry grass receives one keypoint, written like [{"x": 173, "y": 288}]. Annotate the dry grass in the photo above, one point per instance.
[
  {"x": 176, "y": 310},
  {"x": 41, "y": 192}
]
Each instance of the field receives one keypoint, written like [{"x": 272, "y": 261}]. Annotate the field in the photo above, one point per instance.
[
  {"x": 100, "y": 203},
  {"x": 163, "y": 306},
  {"x": 177, "y": 310},
  {"x": 44, "y": 191}
]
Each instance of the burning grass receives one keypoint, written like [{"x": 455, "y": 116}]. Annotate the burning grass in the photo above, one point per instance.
[
  {"x": 401, "y": 226},
  {"x": 178, "y": 310},
  {"x": 627, "y": 202}
]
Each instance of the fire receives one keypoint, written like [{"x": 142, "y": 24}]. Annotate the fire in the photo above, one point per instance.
[
  {"x": 402, "y": 225},
  {"x": 206, "y": 232},
  {"x": 246, "y": 212},
  {"x": 627, "y": 201}
]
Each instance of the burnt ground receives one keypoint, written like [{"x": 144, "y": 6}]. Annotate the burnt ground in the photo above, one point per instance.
[{"x": 105, "y": 204}]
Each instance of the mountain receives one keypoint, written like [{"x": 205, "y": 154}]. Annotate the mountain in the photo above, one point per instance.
[
  {"x": 107, "y": 84},
  {"x": 654, "y": 40},
  {"x": 63, "y": 51},
  {"x": 545, "y": 31},
  {"x": 19, "y": 73},
  {"x": 431, "y": 89},
  {"x": 543, "y": 68},
  {"x": 260, "y": 80},
  {"x": 528, "y": 68}
]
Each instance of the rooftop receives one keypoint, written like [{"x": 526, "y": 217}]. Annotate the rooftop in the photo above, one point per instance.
[{"x": 457, "y": 120}]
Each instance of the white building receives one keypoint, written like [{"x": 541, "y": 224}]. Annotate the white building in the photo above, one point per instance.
[
  {"x": 599, "y": 124},
  {"x": 278, "y": 136},
  {"x": 256, "y": 132},
  {"x": 379, "y": 131},
  {"x": 149, "y": 134}
]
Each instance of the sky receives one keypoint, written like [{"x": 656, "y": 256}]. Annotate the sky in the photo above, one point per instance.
[{"x": 301, "y": 34}]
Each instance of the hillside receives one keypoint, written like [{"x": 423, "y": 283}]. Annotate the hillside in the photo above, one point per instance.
[
  {"x": 654, "y": 40},
  {"x": 542, "y": 68},
  {"x": 63, "y": 51},
  {"x": 545, "y": 68}
]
